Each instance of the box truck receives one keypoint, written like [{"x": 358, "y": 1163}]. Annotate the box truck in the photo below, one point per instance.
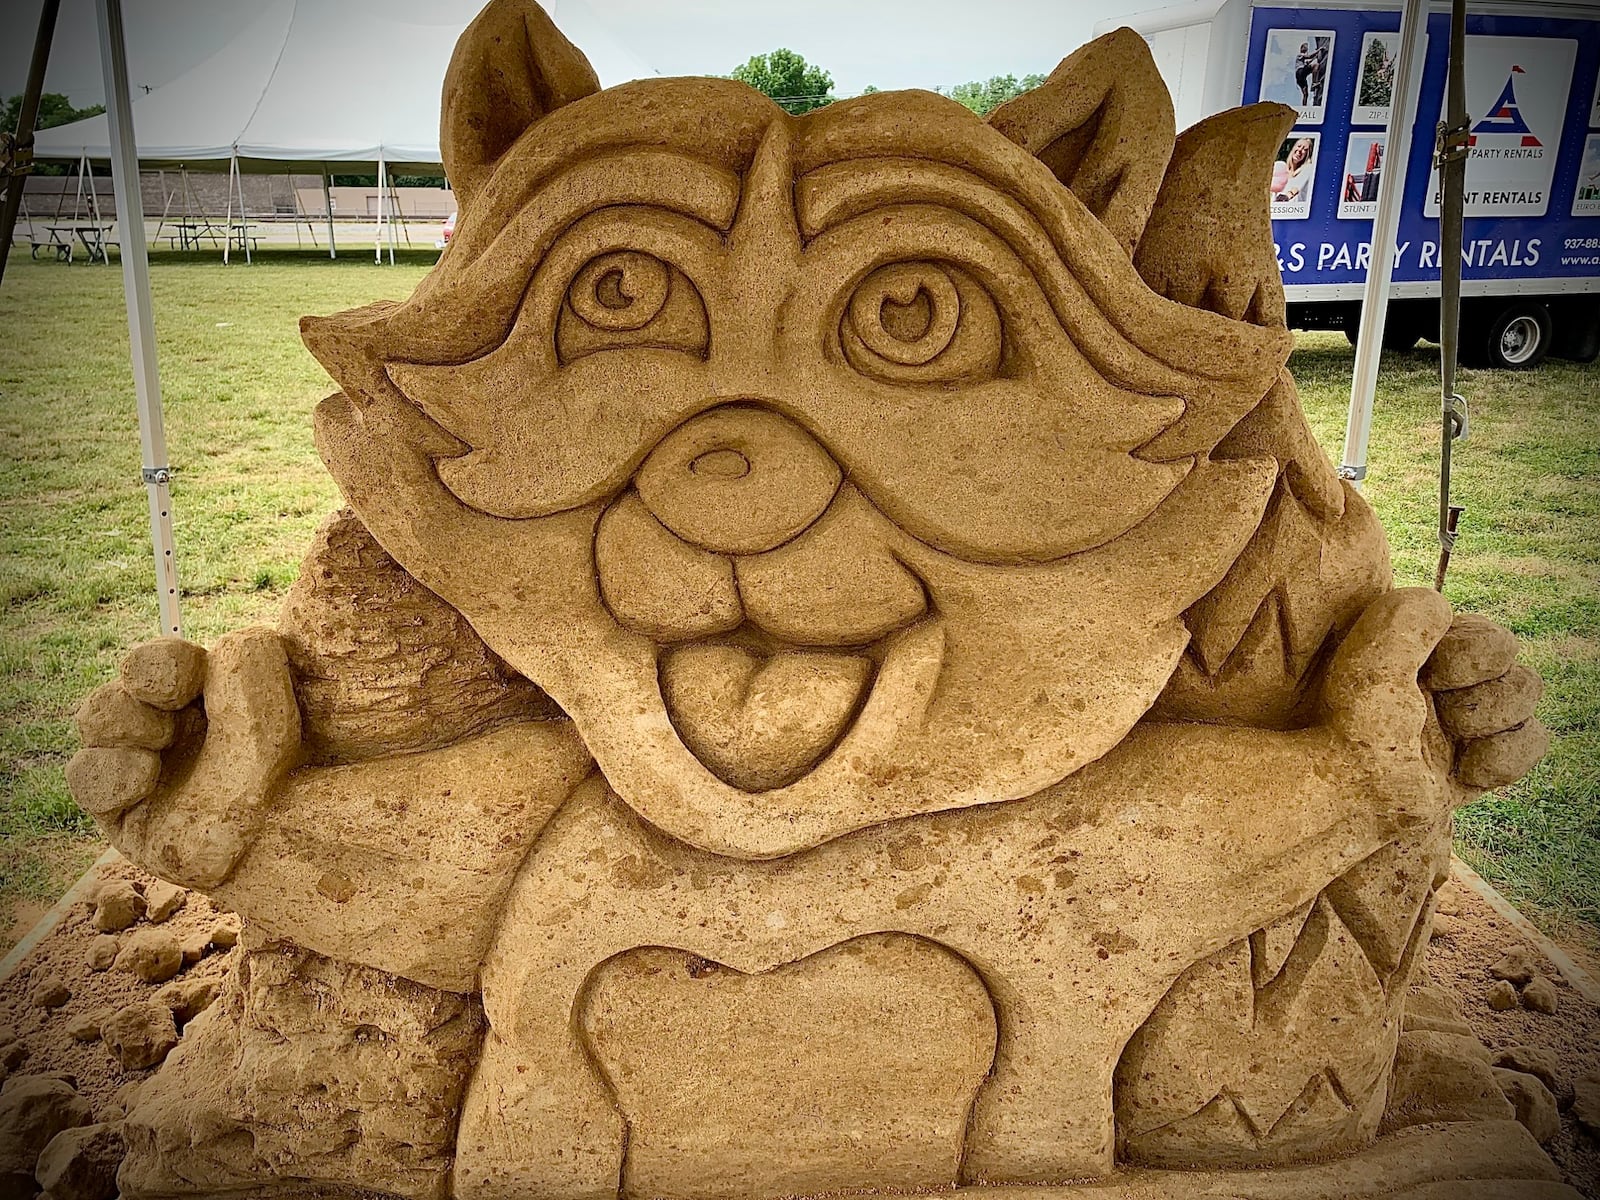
[{"x": 1531, "y": 242}]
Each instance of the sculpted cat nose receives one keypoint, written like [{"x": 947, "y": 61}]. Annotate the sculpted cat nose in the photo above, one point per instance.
[{"x": 738, "y": 480}]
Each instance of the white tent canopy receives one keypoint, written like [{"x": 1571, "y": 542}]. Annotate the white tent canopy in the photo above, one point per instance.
[{"x": 314, "y": 82}]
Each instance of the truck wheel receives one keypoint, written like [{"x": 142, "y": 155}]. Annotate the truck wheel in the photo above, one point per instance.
[
  {"x": 1518, "y": 337},
  {"x": 1400, "y": 334}
]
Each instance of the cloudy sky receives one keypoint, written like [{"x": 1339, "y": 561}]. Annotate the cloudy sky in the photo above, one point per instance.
[{"x": 888, "y": 43}]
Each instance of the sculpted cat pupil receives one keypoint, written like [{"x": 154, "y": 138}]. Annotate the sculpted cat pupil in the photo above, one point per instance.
[
  {"x": 907, "y": 313},
  {"x": 621, "y": 292}
]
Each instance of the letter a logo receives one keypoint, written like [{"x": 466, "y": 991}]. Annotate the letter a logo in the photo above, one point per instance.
[{"x": 1504, "y": 116}]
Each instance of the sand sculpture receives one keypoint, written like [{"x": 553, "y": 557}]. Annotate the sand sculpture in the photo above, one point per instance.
[{"x": 843, "y": 667}]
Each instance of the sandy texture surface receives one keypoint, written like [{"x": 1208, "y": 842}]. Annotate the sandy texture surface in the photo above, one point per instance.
[
  {"x": 1460, "y": 960},
  {"x": 64, "y": 955}
]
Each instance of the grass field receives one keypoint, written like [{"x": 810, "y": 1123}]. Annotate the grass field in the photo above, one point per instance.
[{"x": 75, "y": 572}]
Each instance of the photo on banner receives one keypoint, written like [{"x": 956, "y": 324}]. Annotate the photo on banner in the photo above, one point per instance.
[
  {"x": 1295, "y": 71},
  {"x": 1363, "y": 167},
  {"x": 1374, "y": 95},
  {"x": 1586, "y": 199},
  {"x": 1520, "y": 85},
  {"x": 1294, "y": 175}
]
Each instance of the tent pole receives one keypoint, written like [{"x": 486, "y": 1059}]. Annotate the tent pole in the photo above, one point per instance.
[
  {"x": 61, "y": 198},
  {"x": 244, "y": 215},
  {"x": 377, "y": 247},
  {"x": 20, "y": 161},
  {"x": 95, "y": 214},
  {"x": 327, "y": 203},
  {"x": 1385, "y": 227},
  {"x": 288, "y": 178},
  {"x": 227, "y": 216},
  {"x": 405, "y": 229},
  {"x": 141, "y": 318},
  {"x": 166, "y": 204},
  {"x": 378, "y": 234}
]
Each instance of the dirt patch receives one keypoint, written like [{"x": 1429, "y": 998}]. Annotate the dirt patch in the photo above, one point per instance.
[
  {"x": 1461, "y": 960},
  {"x": 65, "y": 954}
]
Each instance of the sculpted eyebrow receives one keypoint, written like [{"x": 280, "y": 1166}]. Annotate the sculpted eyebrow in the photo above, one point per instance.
[
  {"x": 839, "y": 191},
  {"x": 655, "y": 177}
]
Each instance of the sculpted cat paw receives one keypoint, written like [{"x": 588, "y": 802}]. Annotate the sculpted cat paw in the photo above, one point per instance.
[
  {"x": 1485, "y": 702},
  {"x": 179, "y": 782}
]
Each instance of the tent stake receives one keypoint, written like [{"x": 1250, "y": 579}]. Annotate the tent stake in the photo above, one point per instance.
[
  {"x": 1385, "y": 225},
  {"x": 156, "y": 473}
]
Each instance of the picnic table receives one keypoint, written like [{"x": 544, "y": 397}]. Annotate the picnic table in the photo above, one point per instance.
[
  {"x": 93, "y": 235},
  {"x": 241, "y": 233},
  {"x": 190, "y": 234}
]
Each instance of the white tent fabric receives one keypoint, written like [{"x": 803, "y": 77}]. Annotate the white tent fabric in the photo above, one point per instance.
[{"x": 313, "y": 82}]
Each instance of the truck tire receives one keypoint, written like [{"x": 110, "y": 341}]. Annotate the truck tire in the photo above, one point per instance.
[
  {"x": 1517, "y": 337},
  {"x": 1401, "y": 334},
  {"x": 1577, "y": 332}
]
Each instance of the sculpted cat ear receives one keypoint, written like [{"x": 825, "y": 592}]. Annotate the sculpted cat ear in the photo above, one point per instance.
[
  {"x": 511, "y": 67},
  {"x": 1102, "y": 122},
  {"x": 1208, "y": 243}
]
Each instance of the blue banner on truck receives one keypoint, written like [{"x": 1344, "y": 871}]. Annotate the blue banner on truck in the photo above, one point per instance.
[{"x": 1533, "y": 171}]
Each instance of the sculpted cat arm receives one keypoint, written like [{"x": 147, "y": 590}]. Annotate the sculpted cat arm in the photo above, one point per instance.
[
  {"x": 368, "y": 862},
  {"x": 1376, "y": 762}
]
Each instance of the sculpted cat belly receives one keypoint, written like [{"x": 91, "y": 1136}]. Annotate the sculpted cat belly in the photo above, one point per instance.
[{"x": 874, "y": 557}]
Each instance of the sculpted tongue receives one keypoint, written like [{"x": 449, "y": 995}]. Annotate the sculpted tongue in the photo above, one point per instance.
[{"x": 760, "y": 722}]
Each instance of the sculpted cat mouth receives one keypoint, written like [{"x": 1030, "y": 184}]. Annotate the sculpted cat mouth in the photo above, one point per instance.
[{"x": 760, "y": 716}]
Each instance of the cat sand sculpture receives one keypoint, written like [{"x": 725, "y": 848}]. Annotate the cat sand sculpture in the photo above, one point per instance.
[{"x": 843, "y": 667}]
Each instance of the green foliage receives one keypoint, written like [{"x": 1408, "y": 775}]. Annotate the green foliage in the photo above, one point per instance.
[
  {"x": 1377, "y": 76},
  {"x": 796, "y": 85},
  {"x": 54, "y": 109},
  {"x": 983, "y": 96},
  {"x": 433, "y": 181}
]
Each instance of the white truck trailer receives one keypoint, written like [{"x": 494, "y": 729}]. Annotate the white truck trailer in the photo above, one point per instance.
[{"x": 1531, "y": 244}]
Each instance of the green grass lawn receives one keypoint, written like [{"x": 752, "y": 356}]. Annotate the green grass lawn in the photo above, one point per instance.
[{"x": 76, "y": 577}]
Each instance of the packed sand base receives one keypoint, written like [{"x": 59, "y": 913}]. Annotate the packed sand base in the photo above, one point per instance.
[{"x": 1459, "y": 962}]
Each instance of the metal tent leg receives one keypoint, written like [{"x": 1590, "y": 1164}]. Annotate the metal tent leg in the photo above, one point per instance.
[
  {"x": 327, "y": 201},
  {"x": 141, "y": 319}
]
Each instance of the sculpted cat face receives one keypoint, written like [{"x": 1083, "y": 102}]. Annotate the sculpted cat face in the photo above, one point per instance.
[{"x": 824, "y": 469}]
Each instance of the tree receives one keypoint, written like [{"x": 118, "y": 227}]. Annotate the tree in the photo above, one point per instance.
[
  {"x": 984, "y": 96},
  {"x": 54, "y": 109},
  {"x": 793, "y": 83},
  {"x": 1377, "y": 76}
]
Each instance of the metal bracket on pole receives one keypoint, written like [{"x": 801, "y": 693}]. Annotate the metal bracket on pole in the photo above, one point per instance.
[
  {"x": 1355, "y": 473},
  {"x": 161, "y": 475},
  {"x": 1455, "y": 412},
  {"x": 1451, "y": 142}
]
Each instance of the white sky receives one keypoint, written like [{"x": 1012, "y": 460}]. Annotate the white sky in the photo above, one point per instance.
[{"x": 890, "y": 43}]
